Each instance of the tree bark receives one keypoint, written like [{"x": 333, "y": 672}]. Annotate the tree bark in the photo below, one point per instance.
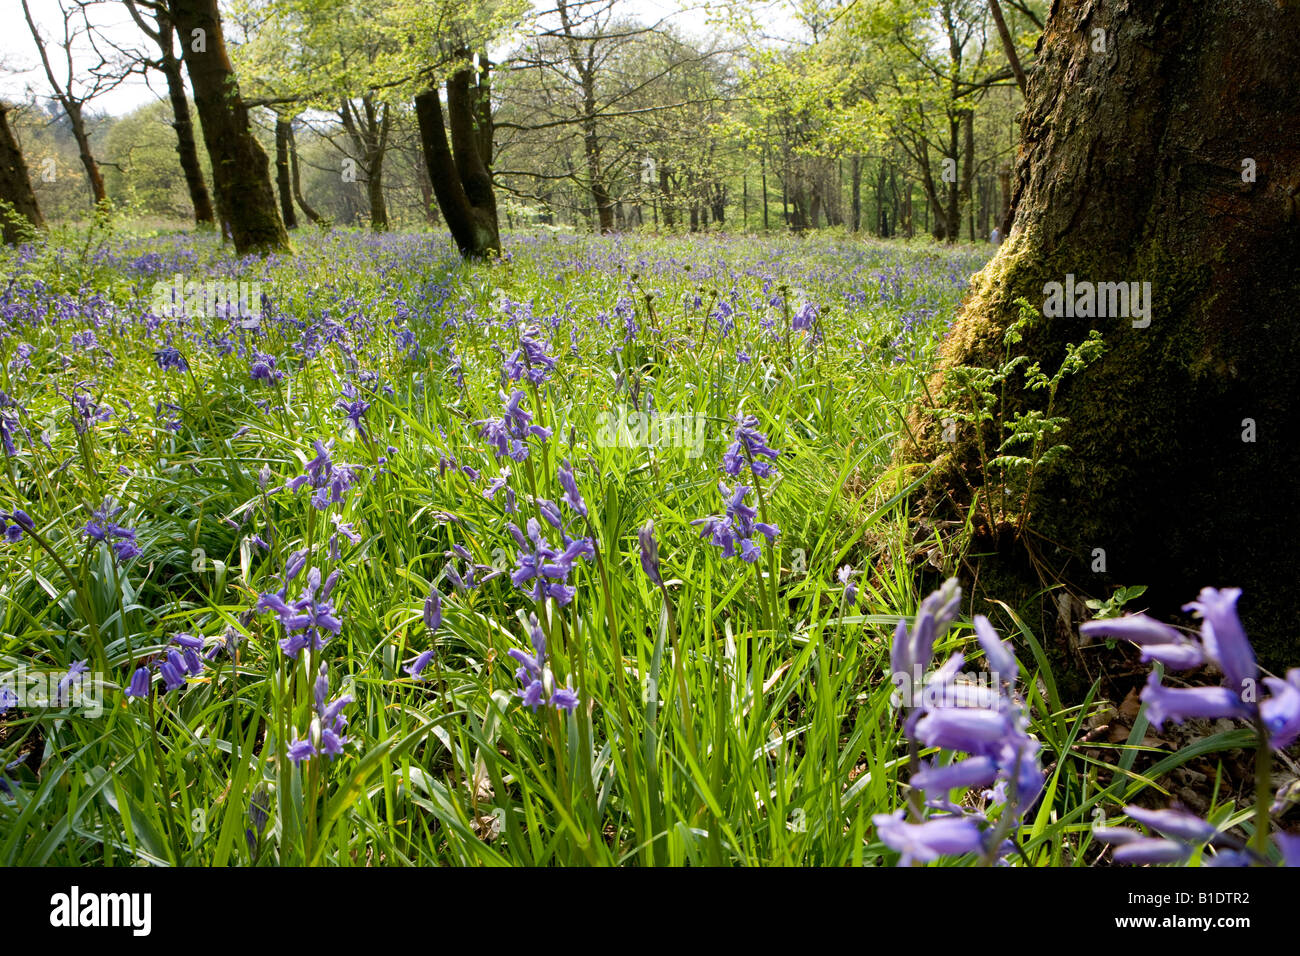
[
  {"x": 72, "y": 108},
  {"x": 15, "y": 187},
  {"x": 312, "y": 215},
  {"x": 283, "y": 172},
  {"x": 240, "y": 170},
  {"x": 368, "y": 130},
  {"x": 856, "y": 178},
  {"x": 1183, "y": 466},
  {"x": 462, "y": 181},
  {"x": 186, "y": 148}
]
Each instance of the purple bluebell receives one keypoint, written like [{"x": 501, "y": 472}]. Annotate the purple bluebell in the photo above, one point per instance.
[
  {"x": 139, "y": 686},
  {"x": 997, "y": 652},
  {"x": 534, "y": 674},
  {"x": 1223, "y": 637},
  {"x": 1175, "y": 823},
  {"x": 748, "y": 447},
  {"x": 307, "y": 621},
  {"x": 417, "y": 666},
  {"x": 1280, "y": 711},
  {"x": 571, "y": 497},
  {"x": 650, "y": 552},
  {"x": 508, "y": 435},
  {"x": 971, "y": 772},
  {"x": 737, "y": 526},
  {"x": 1153, "y": 850},
  {"x": 1137, "y": 628},
  {"x": 433, "y": 609},
  {"x": 845, "y": 577},
  {"x": 927, "y": 841},
  {"x": 168, "y": 357},
  {"x": 1178, "y": 704},
  {"x": 326, "y": 736}
]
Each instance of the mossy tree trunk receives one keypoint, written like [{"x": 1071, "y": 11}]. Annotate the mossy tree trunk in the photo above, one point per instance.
[
  {"x": 23, "y": 213},
  {"x": 1160, "y": 143},
  {"x": 240, "y": 170}
]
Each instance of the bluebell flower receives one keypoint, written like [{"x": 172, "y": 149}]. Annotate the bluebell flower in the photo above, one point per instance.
[
  {"x": 534, "y": 673},
  {"x": 139, "y": 686},
  {"x": 173, "y": 671},
  {"x": 997, "y": 652},
  {"x": 354, "y": 411},
  {"x": 540, "y": 563},
  {"x": 530, "y": 361},
  {"x": 508, "y": 435},
  {"x": 262, "y": 369},
  {"x": 168, "y": 357},
  {"x": 650, "y": 552},
  {"x": 101, "y": 527},
  {"x": 326, "y": 736},
  {"x": 433, "y": 609},
  {"x": 845, "y": 576},
  {"x": 985, "y": 722},
  {"x": 1156, "y": 850},
  {"x": 737, "y": 526},
  {"x": 417, "y": 666},
  {"x": 749, "y": 447},
  {"x": 309, "y": 620},
  {"x": 1192, "y": 703},
  {"x": 927, "y": 841},
  {"x": 913, "y": 647},
  {"x": 1280, "y": 711},
  {"x": 1223, "y": 637},
  {"x": 571, "y": 497}
]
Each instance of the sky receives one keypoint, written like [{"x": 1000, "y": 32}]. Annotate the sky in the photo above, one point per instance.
[{"x": 21, "y": 71}]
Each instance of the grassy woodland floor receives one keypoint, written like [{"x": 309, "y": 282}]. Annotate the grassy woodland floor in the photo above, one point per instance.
[{"x": 304, "y": 551}]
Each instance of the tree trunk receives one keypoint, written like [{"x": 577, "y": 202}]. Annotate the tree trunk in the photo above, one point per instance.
[
  {"x": 240, "y": 171},
  {"x": 856, "y": 177},
  {"x": 312, "y": 215},
  {"x": 461, "y": 180},
  {"x": 1171, "y": 158},
  {"x": 967, "y": 174},
  {"x": 93, "y": 175},
  {"x": 186, "y": 148},
  {"x": 283, "y": 173},
  {"x": 15, "y": 187},
  {"x": 665, "y": 188}
]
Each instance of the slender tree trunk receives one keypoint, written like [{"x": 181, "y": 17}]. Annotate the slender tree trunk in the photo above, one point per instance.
[
  {"x": 665, "y": 189},
  {"x": 856, "y": 178},
  {"x": 1171, "y": 157},
  {"x": 240, "y": 170},
  {"x": 312, "y": 216},
  {"x": 78, "y": 123},
  {"x": 186, "y": 147},
  {"x": 71, "y": 108},
  {"x": 15, "y": 187},
  {"x": 283, "y": 172},
  {"x": 163, "y": 33},
  {"x": 968, "y": 170}
]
